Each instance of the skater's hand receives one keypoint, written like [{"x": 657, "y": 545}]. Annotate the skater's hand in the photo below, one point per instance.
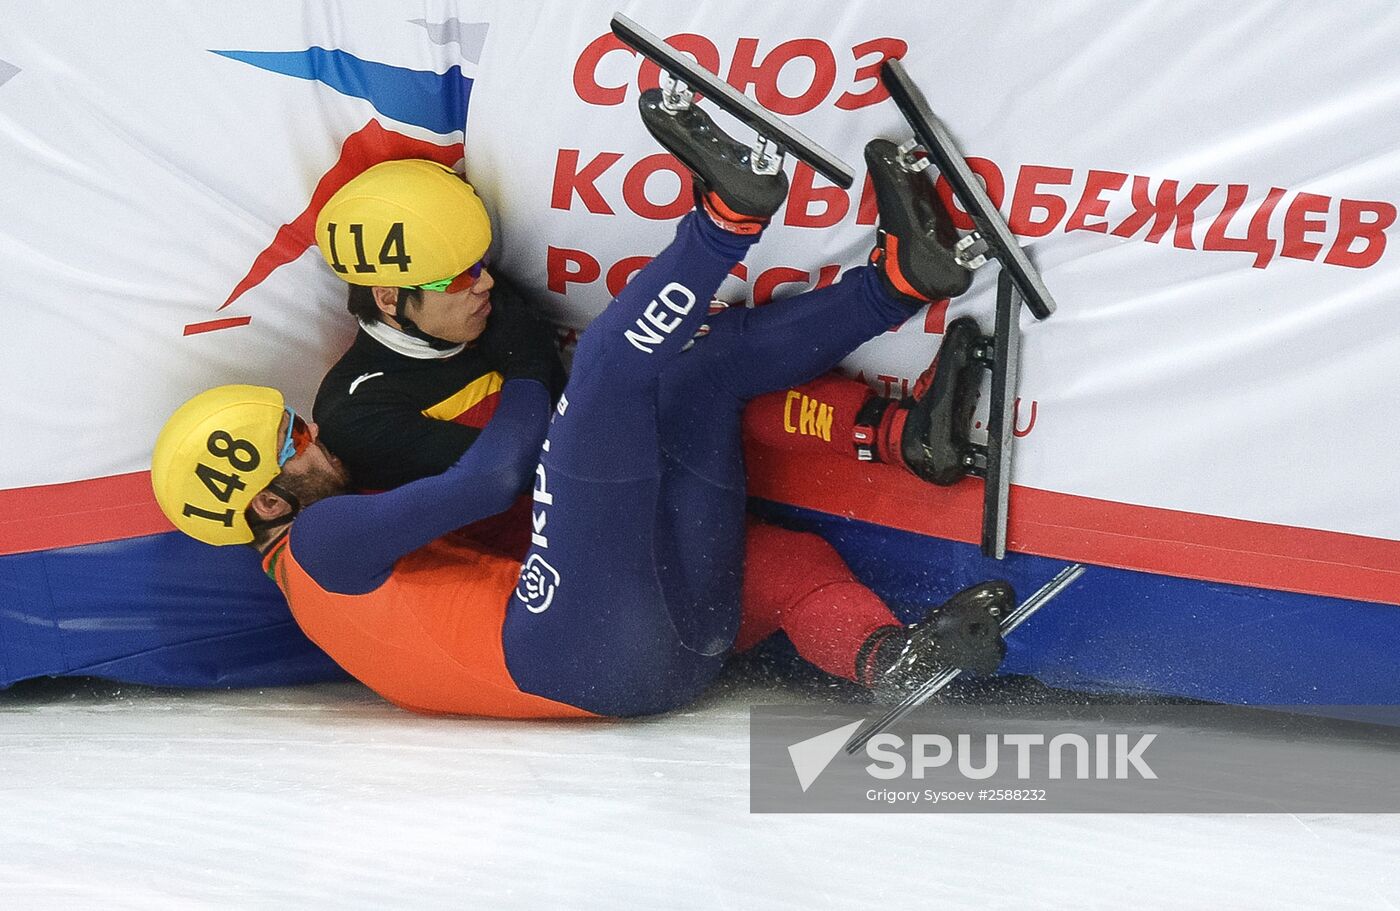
[{"x": 520, "y": 342}]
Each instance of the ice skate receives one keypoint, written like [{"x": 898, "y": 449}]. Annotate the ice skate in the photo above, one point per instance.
[
  {"x": 739, "y": 189},
  {"x": 934, "y": 443},
  {"x": 684, "y": 78},
  {"x": 963, "y": 633},
  {"x": 915, "y": 248},
  {"x": 1018, "y": 281},
  {"x": 928, "y": 432}
]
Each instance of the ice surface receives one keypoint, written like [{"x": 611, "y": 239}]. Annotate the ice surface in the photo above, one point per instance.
[{"x": 321, "y": 797}]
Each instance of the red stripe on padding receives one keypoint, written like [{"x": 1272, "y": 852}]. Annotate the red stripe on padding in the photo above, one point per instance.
[
  {"x": 1045, "y": 523},
  {"x": 1084, "y": 529},
  {"x": 214, "y": 325},
  {"x": 81, "y": 512},
  {"x": 369, "y": 145}
]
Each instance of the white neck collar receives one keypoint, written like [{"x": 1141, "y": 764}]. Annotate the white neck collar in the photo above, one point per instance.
[{"x": 402, "y": 343}]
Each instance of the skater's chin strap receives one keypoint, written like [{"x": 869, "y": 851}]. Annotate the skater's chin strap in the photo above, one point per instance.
[
  {"x": 258, "y": 523},
  {"x": 409, "y": 327}
]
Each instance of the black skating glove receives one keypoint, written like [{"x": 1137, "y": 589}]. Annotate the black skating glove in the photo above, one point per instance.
[{"x": 519, "y": 342}]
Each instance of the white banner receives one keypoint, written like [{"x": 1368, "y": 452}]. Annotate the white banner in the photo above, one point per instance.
[{"x": 1209, "y": 192}]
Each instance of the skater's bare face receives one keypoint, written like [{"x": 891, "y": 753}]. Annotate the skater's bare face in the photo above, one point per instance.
[
  {"x": 313, "y": 474},
  {"x": 456, "y": 316}
]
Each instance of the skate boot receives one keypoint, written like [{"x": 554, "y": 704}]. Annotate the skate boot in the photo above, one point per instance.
[
  {"x": 914, "y": 248},
  {"x": 928, "y": 433},
  {"x": 962, "y": 633},
  {"x": 732, "y": 192},
  {"x": 933, "y": 443}
]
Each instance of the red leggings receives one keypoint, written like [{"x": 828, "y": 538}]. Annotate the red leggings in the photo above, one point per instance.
[{"x": 795, "y": 581}]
